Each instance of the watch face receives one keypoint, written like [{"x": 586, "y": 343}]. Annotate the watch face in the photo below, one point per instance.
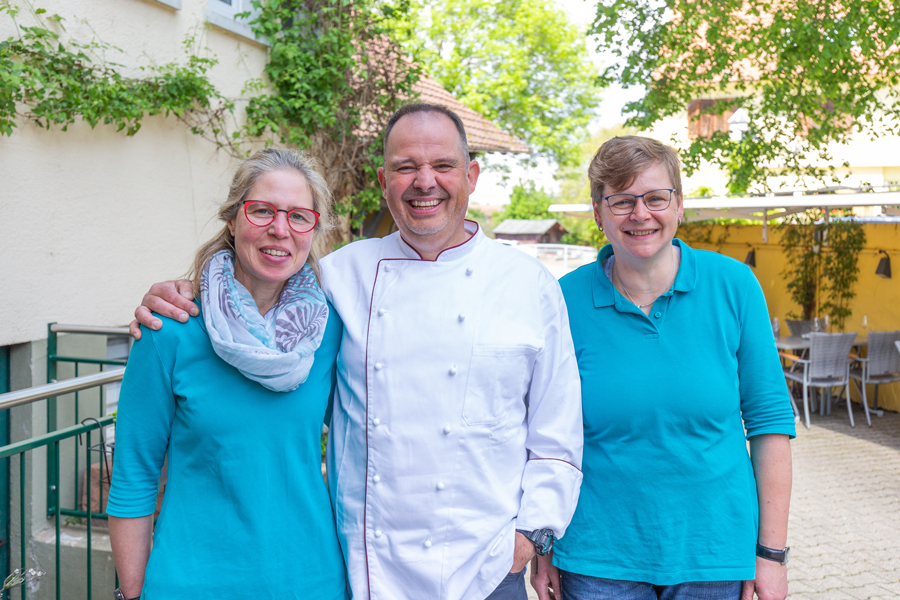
[{"x": 543, "y": 541}]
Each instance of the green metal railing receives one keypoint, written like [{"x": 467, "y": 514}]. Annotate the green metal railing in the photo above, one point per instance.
[
  {"x": 54, "y": 359},
  {"x": 51, "y": 441}
]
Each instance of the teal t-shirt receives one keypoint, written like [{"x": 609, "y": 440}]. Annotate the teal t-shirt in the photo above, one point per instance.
[
  {"x": 245, "y": 511},
  {"x": 669, "y": 494}
]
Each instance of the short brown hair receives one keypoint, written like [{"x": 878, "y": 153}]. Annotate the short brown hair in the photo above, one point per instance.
[{"x": 620, "y": 160}]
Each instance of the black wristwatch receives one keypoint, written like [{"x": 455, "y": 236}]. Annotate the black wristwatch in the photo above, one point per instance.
[
  {"x": 121, "y": 596},
  {"x": 779, "y": 556},
  {"x": 541, "y": 538}
]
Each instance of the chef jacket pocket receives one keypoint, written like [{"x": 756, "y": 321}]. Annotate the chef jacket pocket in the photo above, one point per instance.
[{"x": 497, "y": 378}]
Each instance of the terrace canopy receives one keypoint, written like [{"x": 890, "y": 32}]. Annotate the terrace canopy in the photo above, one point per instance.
[{"x": 764, "y": 208}]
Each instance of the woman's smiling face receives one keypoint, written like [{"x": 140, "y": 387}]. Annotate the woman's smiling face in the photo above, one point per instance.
[
  {"x": 266, "y": 257},
  {"x": 644, "y": 234}
]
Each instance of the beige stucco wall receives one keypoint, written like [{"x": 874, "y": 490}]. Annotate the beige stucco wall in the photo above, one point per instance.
[{"x": 90, "y": 218}]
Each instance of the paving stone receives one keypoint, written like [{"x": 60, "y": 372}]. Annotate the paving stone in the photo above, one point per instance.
[{"x": 845, "y": 509}]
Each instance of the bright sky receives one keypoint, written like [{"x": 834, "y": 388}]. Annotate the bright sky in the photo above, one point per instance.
[{"x": 491, "y": 187}]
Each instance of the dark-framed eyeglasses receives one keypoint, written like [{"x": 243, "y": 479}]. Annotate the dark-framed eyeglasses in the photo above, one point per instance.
[
  {"x": 624, "y": 204},
  {"x": 261, "y": 213}
]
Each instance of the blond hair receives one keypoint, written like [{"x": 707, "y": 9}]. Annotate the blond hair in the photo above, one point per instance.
[
  {"x": 620, "y": 160},
  {"x": 246, "y": 176}
]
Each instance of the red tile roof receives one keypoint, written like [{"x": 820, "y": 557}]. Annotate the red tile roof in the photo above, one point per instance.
[{"x": 482, "y": 135}]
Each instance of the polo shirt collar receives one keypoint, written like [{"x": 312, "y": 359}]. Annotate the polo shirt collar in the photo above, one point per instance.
[{"x": 605, "y": 294}]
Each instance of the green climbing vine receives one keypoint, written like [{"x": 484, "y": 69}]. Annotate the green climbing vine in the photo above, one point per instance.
[
  {"x": 336, "y": 76},
  {"x": 822, "y": 258},
  {"x": 54, "y": 82},
  {"x": 333, "y": 78}
]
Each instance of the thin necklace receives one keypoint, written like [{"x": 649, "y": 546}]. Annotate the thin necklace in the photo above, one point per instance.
[{"x": 625, "y": 289}]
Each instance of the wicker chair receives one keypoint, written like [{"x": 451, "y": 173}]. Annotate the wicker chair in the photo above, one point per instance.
[
  {"x": 881, "y": 365},
  {"x": 828, "y": 366},
  {"x": 798, "y": 328}
]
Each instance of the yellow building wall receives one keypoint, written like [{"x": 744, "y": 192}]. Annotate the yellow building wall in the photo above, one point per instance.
[{"x": 876, "y": 298}]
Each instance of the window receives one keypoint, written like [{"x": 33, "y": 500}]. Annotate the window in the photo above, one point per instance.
[
  {"x": 843, "y": 121},
  {"x": 176, "y": 4},
  {"x": 223, "y": 14},
  {"x": 702, "y": 120}
]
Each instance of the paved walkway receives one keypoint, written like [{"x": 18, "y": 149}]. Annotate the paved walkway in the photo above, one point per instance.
[{"x": 845, "y": 509}]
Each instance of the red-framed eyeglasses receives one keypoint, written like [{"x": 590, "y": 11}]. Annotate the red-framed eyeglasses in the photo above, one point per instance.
[{"x": 261, "y": 214}]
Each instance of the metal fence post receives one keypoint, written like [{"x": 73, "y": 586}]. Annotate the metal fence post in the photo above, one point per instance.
[{"x": 52, "y": 489}]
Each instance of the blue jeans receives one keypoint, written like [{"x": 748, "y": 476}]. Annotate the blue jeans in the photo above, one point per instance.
[
  {"x": 511, "y": 588},
  {"x": 585, "y": 587}
]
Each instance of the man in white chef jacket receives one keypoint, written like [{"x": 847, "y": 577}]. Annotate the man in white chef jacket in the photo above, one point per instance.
[{"x": 456, "y": 429}]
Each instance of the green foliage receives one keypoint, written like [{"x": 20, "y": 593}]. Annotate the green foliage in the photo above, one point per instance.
[
  {"x": 803, "y": 253},
  {"x": 702, "y": 232},
  {"x": 527, "y": 201},
  {"x": 840, "y": 273},
  {"x": 582, "y": 232},
  {"x": 337, "y": 76},
  {"x": 809, "y": 73},
  {"x": 701, "y": 191},
  {"x": 336, "y": 73},
  {"x": 575, "y": 188},
  {"x": 520, "y": 63},
  {"x": 474, "y": 213},
  {"x": 59, "y": 81},
  {"x": 822, "y": 263}
]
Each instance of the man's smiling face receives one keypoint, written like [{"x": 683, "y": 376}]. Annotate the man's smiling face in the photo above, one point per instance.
[{"x": 426, "y": 180}]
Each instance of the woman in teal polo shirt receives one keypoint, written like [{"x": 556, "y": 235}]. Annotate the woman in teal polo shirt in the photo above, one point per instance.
[
  {"x": 236, "y": 401},
  {"x": 676, "y": 359}
]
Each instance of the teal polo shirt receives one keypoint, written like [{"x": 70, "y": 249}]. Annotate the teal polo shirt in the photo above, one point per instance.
[{"x": 669, "y": 494}]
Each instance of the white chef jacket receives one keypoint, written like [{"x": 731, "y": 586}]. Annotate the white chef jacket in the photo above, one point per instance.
[{"x": 457, "y": 416}]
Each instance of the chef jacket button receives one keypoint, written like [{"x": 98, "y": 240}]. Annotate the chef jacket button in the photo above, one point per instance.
[
  {"x": 382, "y": 312},
  {"x": 428, "y": 543},
  {"x": 376, "y": 479},
  {"x": 447, "y": 429},
  {"x": 440, "y": 485},
  {"x": 376, "y": 421},
  {"x": 377, "y": 533},
  {"x": 378, "y": 366},
  {"x": 461, "y": 317},
  {"x": 657, "y": 314},
  {"x": 387, "y": 268},
  {"x": 469, "y": 270},
  {"x": 453, "y": 370}
]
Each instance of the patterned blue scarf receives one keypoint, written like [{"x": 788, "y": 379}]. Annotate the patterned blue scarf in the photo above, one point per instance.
[{"x": 275, "y": 350}]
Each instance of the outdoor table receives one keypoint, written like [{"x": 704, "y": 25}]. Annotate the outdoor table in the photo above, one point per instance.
[{"x": 796, "y": 342}]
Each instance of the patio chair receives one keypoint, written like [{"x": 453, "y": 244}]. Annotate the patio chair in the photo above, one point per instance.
[
  {"x": 828, "y": 366},
  {"x": 881, "y": 365},
  {"x": 798, "y": 327}
]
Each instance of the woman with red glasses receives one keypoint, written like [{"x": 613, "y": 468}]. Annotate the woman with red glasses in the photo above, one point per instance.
[{"x": 236, "y": 399}]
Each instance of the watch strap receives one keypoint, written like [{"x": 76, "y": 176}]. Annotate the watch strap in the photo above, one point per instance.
[
  {"x": 541, "y": 538},
  {"x": 779, "y": 556},
  {"x": 121, "y": 596}
]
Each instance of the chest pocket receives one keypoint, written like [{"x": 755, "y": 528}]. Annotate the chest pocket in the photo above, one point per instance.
[{"x": 497, "y": 380}]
